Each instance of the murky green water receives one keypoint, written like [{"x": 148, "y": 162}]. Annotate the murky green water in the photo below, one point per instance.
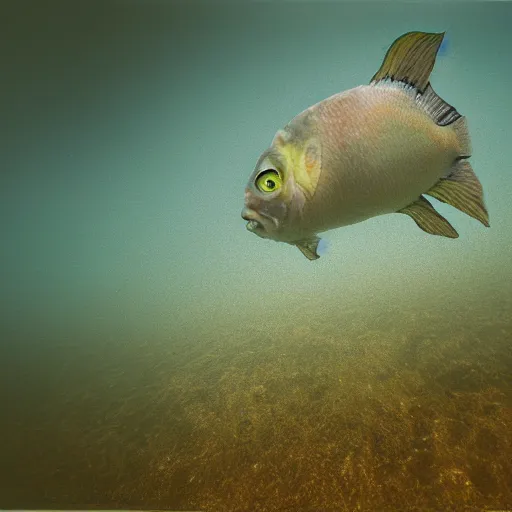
[{"x": 154, "y": 354}]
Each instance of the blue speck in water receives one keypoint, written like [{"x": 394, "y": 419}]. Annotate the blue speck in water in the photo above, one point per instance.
[
  {"x": 323, "y": 247},
  {"x": 445, "y": 46}
]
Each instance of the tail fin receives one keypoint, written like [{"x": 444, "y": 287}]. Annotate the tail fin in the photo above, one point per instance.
[{"x": 463, "y": 190}]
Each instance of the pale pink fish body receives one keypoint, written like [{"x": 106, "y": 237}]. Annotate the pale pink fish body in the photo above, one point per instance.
[{"x": 380, "y": 152}]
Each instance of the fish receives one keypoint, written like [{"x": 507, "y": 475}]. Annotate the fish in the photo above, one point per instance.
[{"x": 372, "y": 150}]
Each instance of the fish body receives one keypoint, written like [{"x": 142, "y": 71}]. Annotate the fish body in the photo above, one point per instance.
[
  {"x": 380, "y": 152},
  {"x": 368, "y": 151}
]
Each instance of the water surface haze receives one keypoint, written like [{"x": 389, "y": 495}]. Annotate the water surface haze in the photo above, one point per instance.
[{"x": 154, "y": 354}]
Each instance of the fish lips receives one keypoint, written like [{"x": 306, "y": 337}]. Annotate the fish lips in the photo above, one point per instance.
[{"x": 258, "y": 223}]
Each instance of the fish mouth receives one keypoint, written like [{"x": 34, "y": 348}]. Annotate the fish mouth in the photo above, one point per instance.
[
  {"x": 253, "y": 225},
  {"x": 254, "y": 220}
]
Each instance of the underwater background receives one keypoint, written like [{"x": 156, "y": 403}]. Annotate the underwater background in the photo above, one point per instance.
[{"x": 155, "y": 354}]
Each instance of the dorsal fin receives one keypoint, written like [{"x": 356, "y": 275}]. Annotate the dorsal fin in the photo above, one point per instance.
[
  {"x": 410, "y": 59},
  {"x": 439, "y": 110}
]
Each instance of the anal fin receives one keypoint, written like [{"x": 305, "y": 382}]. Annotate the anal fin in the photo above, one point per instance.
[
  {"x": 426, "y": 217},
  {"x": 463, "y": 190}
]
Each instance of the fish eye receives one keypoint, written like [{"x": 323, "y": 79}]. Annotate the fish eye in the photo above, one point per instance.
[{"x": 269, "y": 181}]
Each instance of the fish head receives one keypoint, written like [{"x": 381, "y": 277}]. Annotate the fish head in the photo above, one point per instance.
[
  {"x": 279, "y": 187},
  {"x": 266, "y": 203}
]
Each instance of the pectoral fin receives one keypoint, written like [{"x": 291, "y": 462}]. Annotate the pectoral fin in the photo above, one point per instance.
[
  {"x": 410, "y": 59},
  {"x": 425, "y": 216},
  {"x": 309, "y": 247},
  {"x": 462, "y": 190}
]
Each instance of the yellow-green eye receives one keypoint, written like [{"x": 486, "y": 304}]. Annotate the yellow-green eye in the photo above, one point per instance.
[{"x": 269, "y": 181}]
